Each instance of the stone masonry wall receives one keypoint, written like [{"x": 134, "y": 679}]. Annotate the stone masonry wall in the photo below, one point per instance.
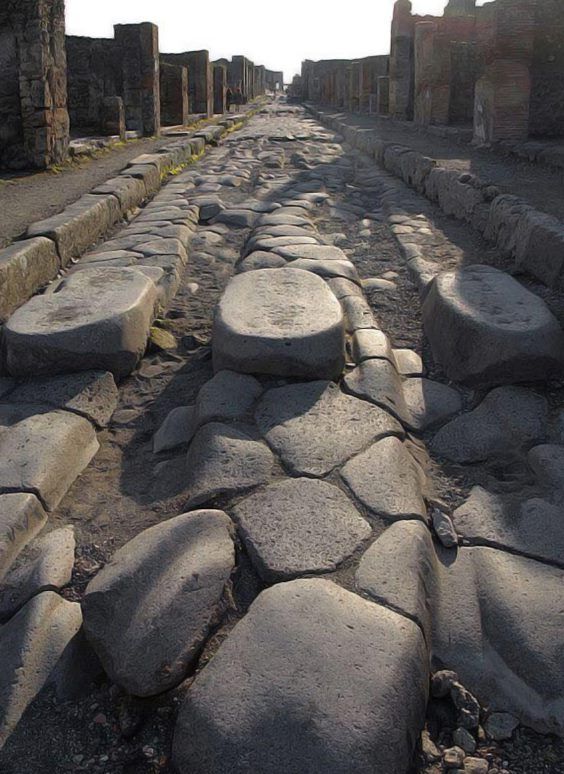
[
  {"x": 94, "y": 73},
  {"x": 174, "y": 94},
  {"x": 200, "y": 82},
  {"x": 139, "y": 46},
  {"x": 547, "y": 87},
  {"x": 219, "y": 89}
]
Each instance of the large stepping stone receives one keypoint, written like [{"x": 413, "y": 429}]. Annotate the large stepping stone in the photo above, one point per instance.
[
  {"x": 282, "y": 322},
  {"x": 148, "y": 612},
  {"x": 97, "y": 319},
  {"x": 485, "y": 328},
  {"x": 508, "y": 420},
  {"x": 532, "y": 526},
  {"x": 314, "y": 679},
  {"x": 21, "y": 518},
  {"x": 315, "y": 427},
  {"x": 31, "y": 644},
  {"x": 224, "y": 460},
  {"x": 226, "y": 397},
  {"x": 388, "y": 480},
  {"x": 547, "y": 463},
  {"x": 260, "y": 260},
  {"x": 326, "y": 269},
  {"x": 312, "y": 252},
  {"x": 43, "y": 453},
  {"x": 299, "y": 526}
]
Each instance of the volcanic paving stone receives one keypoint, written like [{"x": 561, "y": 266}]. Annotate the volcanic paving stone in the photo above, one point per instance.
[
  {"x": 227, "y": 396},
  {"x": 485, "y": 328},
  {"x": 378, "y": 381},
  {"x": 147, "y": 613},
  {"x": 322, "y": 253},
  {"x": 299, "y": 526},
  {"x": 313, "y": 679},
  {"x": 315, "y": 427},
  {"x": 388, "y": 480},
  {"x": 276, "y": 321},
  {"x": 31, "y": 644},
  {"x": 177, "y": 429},
  {"x": 260, "y": 260},
  {"x": 370, "y": 343},
  {"x": 326, "y": 269},
  {"x": 43, "y": 453},
  {"x": 547, "y": 462},
  {"x": 95, "y": 319},
  {"x": 429, "y": 403},
  {"x": 508, "y": 419},
  {"x": 224, "y": 460},
  {"x": 21, "y": 519}
]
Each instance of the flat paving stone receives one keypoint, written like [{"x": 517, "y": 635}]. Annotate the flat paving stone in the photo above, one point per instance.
[
  {"x": 97, "y": 319},
  {"x": 259, "y": 259},
  {"x": 275, "y": 321},
  {"x": 224, "y": 460},
  {"x": 299, "y": 526},
  {"x": 377, "y": 381},
  {"x": 508, "y": 419},
  {"x": 485, "y": 328},
  {"x": 315, "y": 427},
  {"x": 429, "y": 403},
  {"x": 408, "y": 362},
  {"x": 312, "y": 252},
  {"x": 31, "y": 644},
  {"x": 177, "y": 429},
  {"x": 326, "y": 269},
  {"x": 308, "y": 649},
  {"x": 370, "y": 343},
  {"x": 387, "y": 479},
  {"x": 226, "y": 397},
  {"x": 150, "y": 609},
  {"x": 43, "y": 453},
  {"x": 21, "y": 518}
]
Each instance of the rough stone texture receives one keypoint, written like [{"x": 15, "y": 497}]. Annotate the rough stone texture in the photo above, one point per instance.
[
  {"x": 147, "y": 613},
  {"x": 378, "y": 381},
  {"x": 92, "y": 394},
  {"x": 227, "y": 396},
  {"x": 315, "y": 427},
  {"x": 326, "y": 269},
  {"x": 21, "y": 519},
  {"x": 508, "y": 419},
  {"x": 176, "y": 430},
  {"x": 485, "y": 328},
  {"x": 370, "y": 343},
  {"x": 299, "y": 526},
  {"x": 387, "y": 479},
  {"x": 312, "y": 252},
  {"x": 308, "y": 649},
  {"x": 25, "y": 267},
  {"x": 130, "y": 191},
  {"x": 260, "y": 259},
  {"x": 31, "y": 644},
  {"x": 281, "y": 322},
  {"x": 408, "y": 362},
  {"x": 224, "y": 460},
  {"x": 547, "y": 462},
  {"x": 98, "y": 319},
  {"x": 43, "y": 453},
  {"x": 139, "y": 46},
  {"x": 45, "y": 566},
  {"x": 429, "y": 403}
]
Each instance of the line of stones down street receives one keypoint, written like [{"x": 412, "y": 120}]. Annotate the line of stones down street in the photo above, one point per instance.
[{"x": 307, "y": 454}]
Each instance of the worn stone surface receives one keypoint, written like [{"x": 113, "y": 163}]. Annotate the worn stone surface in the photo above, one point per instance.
[
  {"x": 326, "y": 269},
  {"x": 429, "y": 403},
  {"x": 485, "y": 328},
  {"x": 299, "y": 526},
  {"x": 312, "y": 252},
  {"x": 370, "y": 343},
  {"x": 315, "y": 427},
  {"x": 97, "y": 319},
  {"x": 308, "y": 649},
  {"x": 378, "y": 381},
  {"x": 408, "y": 362},
  {"x": 547, "y": 463},
  {"x": 500, "y": 726},
  {"x": 224, "y": 460},
  {"x": 45, "y": 566},
  {"x": 31, "y": 644},
  {"x": 259, "y": 259},
  {"x": 507, "y": 420},
  {"x": 177, "y": 429},
  {"x": 43, "y": 453},
  {"x": 387, "y": 479},
  {"x": 276, "y": 321},
  {"x": 21, "y": 518},
  {"x": 92, "y": 394},
  {"x": 25, "y": 267},
  {"x": 149, "y": 610},
  {"x": 228, "y": 396}
]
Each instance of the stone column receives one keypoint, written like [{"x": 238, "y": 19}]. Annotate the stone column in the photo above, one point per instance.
[
  {"x": 383, "y": 95},
  {"x": 139, "y": 46},
  {"x": 112, "y": 117},
  {"x": 174, "y": 94},
  {"x": 432, "y": 74},
  {"x": 219, "y": 89},
  {"x": 401, "y": 61}
]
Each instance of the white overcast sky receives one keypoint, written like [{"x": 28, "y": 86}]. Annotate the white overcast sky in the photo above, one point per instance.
[{"x": 277, "y": 34}]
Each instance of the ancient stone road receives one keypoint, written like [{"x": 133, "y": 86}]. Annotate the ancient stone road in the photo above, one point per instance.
[{"x": 301, "y": 513}]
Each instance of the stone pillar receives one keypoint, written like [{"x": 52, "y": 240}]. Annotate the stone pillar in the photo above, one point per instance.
[
  {"x": 34, "y": 122},
  {"x": 139, "y": 47},
  {"x": 112, "y": 117},
  {"x": 401, "y": 61},
  {"x": 219, "y": 89},
  {"x": 383, "y": 95},
  {"x": 432, "y": 74},
  {"x": 174, "y": 94}
]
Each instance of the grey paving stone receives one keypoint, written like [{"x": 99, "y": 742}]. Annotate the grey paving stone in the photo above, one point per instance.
[
  {"x": 313, "y": 253},
  {"x": 326, "y": 269},
  {"x": 25, "y": 267},
  {"x": 485, "y": 328},
  {"x": 177, "y": 429},
  {"x": 275, "y": 321},
  {"x": 371, "y": 343},
  {"x": 342, "y": 287},
  {"x": 429, "y": 403},
  {"x": 226, "y": 397},
  {"x": 509, "y": 419},
  {"x": 299, "y": 526},
  {"x": 358, "y": 314},
  {"x": 21, "y": 518},
  {"x": 315, "y": 427},
  {"x": 377, "y": 381},
  {"x": 150, "y": 609},
  {"x": 388, "y": 480},
  {"x": 547, "y": 463},
  {"x": 259, "y": 259},
  {"x": 224, "y": 460},
  {"x": 308, "y": 649},
  {"x": 408, "y": 362},
  {"x": 31, "y": 644}
]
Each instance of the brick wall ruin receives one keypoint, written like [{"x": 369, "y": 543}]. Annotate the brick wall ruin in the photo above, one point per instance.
[{"x": 345, "y": 84}]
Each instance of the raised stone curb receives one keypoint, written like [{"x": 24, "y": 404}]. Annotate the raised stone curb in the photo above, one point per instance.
[{"x": 25, "y": 267}]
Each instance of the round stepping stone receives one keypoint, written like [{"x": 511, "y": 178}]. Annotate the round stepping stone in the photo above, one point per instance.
[
  {"x": 276, "y": 321},
  {"x": 312, "y": 252},
  {"x": 96, "y": 319},
  {"x": 260, "y": 260},
  {"x": 224, "y": 460},
  {"x": 328, "y": 269},
  {"x": 387, "y": 480},
  {"x": 315, "y": 427},
  {"x": 308, "y": 649},
  {"x": 299, "y": 526},
  {"x": 485, "y": 328},
  {"x": 148, "y": 611}
]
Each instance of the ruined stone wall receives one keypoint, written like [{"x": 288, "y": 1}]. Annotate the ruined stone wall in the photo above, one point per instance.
[
  {"x": 34, "y": 122},
  {"x": 139, "y": 48},
  {"x": 274, "y": 80},
  {"x": 174, "y": 94},
  {"x": 371, "y": 68},
  {"x": 200, "y": 81},
  {"x": 94, "y": 73},
  {"x": 547, "y": 76},
  {"x": 219, "y": 89}
]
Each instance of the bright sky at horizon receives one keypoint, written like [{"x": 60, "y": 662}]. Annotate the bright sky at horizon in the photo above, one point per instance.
[{"x": 307, "y": 29}]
